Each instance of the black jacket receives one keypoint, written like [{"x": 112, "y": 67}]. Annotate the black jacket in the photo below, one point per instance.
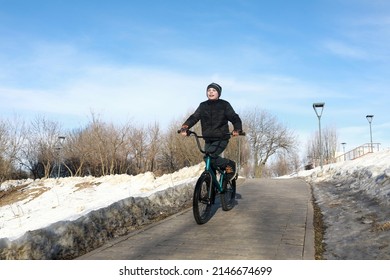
[{"x": 214, "y": 116}]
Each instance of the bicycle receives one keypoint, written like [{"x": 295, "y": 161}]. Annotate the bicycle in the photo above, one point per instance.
[{"x": 211, "y": 182}]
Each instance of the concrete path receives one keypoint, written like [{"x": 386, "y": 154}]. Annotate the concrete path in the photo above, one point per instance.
[{"x": 273, "y": 220}]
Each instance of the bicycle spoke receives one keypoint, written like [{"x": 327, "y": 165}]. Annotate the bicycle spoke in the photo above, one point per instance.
[
  {"x": 228, "y": 197},
  {"x": 201, "y": 200}
]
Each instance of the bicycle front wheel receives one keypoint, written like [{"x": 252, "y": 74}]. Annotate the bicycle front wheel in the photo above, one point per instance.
[
  {"x": 228, "y": 196},
  {"x": 202, "y": 201}
]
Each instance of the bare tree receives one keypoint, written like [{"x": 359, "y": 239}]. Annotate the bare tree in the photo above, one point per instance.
[
  {"x": 238, "y": 151},
  {"x": 4, "y": 162},
  {"x": 39, "y": 148},
  {"x": 328, "y": 149},
  {"x": 284, "y": 163},
  {"x": 330, "y": 144},
  {"x": 178, "y": 151},
  {"x": 100, "y": 149},
  {"x": 138, "y": 147},
  {"x": 169, "y": 160},
  {"x": 76, "y": 153},
  {"x": 153, "y": 149},
  {"x": 266, "y": 136},
  {"x": 11, "y": 140}
]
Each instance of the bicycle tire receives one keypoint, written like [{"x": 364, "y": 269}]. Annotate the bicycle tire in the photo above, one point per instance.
[
  {"x": 201, "y": 201},
  {"x": 228, "y": 196}
]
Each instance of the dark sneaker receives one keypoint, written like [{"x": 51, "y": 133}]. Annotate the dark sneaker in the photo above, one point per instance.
[{"x": 231, "y": 172}]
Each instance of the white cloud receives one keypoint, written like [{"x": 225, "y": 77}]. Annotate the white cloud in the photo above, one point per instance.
[
  {"x": 72, "y": 84},
  {"x": 345, "y": 50}
]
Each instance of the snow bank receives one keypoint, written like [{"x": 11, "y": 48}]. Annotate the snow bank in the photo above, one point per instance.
[
  {"x": 354, "y": 200},
  {"x": 64, "y": 218},
  {"x": 369, "y": 174}
]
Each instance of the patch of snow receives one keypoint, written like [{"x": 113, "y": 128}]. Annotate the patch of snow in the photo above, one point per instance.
[{"x": 72, "y": 197}]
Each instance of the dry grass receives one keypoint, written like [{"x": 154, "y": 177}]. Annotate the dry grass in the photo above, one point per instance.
[
  {"x": 382, "y": 227},
  {"x": 319, "y": 230},
  {"x": 25, "y": 191},
  {"x": 20, "y": 193},
  {"x": 85, "y": 185}
]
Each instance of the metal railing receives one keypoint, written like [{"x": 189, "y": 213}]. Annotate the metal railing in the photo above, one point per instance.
[{"x": 359, "y": 152}]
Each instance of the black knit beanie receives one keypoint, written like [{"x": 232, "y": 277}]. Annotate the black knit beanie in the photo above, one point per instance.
[{"x": 217, "y": 87}]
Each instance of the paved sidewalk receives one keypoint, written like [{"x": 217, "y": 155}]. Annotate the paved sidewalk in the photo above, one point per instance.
[{"x": 273, "y": 220}]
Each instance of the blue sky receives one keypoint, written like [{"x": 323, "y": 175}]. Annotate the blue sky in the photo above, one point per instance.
[{"x": 149, "y": 60}]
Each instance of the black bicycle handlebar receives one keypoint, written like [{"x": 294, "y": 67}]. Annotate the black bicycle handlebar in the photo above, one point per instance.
[{"x": 190, "y": 132}]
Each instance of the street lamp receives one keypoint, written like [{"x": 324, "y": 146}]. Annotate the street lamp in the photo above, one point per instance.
[
  {"x": 317, "y": 107},
  {"x": 344, "y": 149},
  {"x": 369, "y": 118},
  {"x": 61, "y": 140}
]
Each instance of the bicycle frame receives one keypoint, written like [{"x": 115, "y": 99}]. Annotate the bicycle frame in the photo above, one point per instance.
[
  {"x": 208, "y": 185},
  {"x": 216, "y": 183}
]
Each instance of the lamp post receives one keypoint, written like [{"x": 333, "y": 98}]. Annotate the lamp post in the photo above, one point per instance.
[
  {"x": 318, "y": 108},
  {"x": 344, "y": 149},
  {"x": 369, "y": 118},
  {"x": 61, "y": 140}
]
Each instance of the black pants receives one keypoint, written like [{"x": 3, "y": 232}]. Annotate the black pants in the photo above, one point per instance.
[{"x": 217, "y": 147}]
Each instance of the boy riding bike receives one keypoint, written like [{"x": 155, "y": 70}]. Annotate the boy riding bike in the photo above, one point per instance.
[{"x": 214, "y": 115}]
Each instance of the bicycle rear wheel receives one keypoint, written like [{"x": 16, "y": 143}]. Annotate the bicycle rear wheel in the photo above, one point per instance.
[
  {"x": 228, "y": 197},
  {"x": 201, "y": 200}
]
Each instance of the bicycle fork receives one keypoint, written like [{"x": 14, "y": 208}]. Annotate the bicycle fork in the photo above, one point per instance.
[{"x": 216, "y": 185}]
